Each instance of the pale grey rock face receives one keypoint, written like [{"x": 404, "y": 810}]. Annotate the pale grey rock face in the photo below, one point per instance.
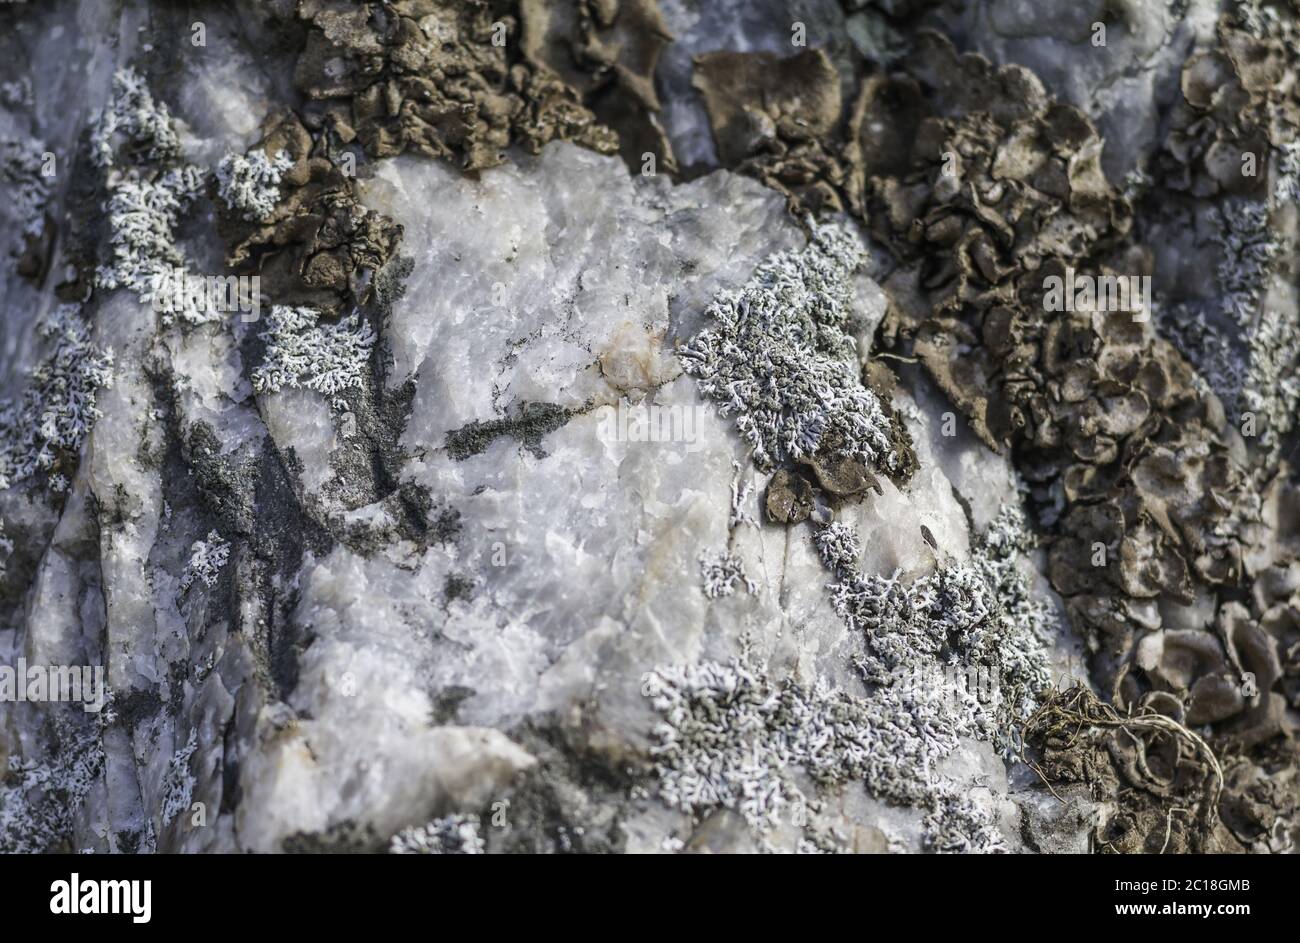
[
  {"x": 338, "y": 676},
  {"x": 573, "y": 567}
]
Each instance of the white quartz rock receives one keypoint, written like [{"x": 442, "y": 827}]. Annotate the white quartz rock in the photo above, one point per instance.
[{"x": 576, "y": 563}]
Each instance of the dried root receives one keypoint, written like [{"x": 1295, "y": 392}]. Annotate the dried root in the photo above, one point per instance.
[{"x": 1155, "y": 766}]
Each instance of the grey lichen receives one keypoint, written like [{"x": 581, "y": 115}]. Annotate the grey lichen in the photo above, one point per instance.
[
  {"x": 57, "y": 409},
  {"x": 39, "y": 799},
  {"x": 450, "y": 835},
  {"x": 302, "y": 352},
  {"x": 779, "y": 359},
  {"x": 178, "y": 786},
  {"x": 251, "y": 185},
  {"x": 207, "y": 557},
  {"x": 1264, "y": 382},
  {"x": 146, "y": 199},
  {"x": 721, "y": 571},
  {"x": 1271, "y": 388},
  {"x": 27, "y": 188},
  {"x": 6, "y": 548},
  {"x": 954, "y": 654},
  {"x": 133, "y": 121},
  {"x": 732, "y": 737},
  {"x": 142, "y": 216},
  {"x": 976, "y": 618}
]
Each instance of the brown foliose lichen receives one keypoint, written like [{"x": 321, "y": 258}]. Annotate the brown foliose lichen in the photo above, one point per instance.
[
  {"x": 318, "y": 246},
  {"x": 1166, "y": 528},
  {"x": 993, "y": 203},
  {"x": 466, "y": 79},
  {"x": 1236, "y": 100},
  {"x": 777, "y": 119}
]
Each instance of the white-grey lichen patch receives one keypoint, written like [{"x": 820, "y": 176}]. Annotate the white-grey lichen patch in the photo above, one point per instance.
[
  {"x": 16, "y": 93},
  {"x": 740, "y": 497},
  {"x": 178, "y": 786},
  {"x": 134, "y": 122},
  {"x": 207, "y": 557},
  {"x": 966, "y": 620},
  {"x": 142, "y": 217},
  {"x": 1015, "y": 648},
  {"x": 722, "y": 571},
  {"x": 251, "y": 185},
  {"x": 303, "y": 352},
  {"x": 1271, "y": 387},
  {"x": 733, "y": 738},
  {"x": 1286, "y": 190},
  {"x": 1250, "y": 250},
  {"x": 146, "y": 200},
  {"x": 27, "y": 188},
  {"x": 450, "y": 835},
  {"x": 57, "y": 408},
  {"x": 38, "y": 800},
  {"x": 1267, "y": 387},
  {"x": 839, "y": 545},
  {"x": 6, "y": 548},
  {"x": 958, "y": 653},
  {"x": 780, "y": 361},
  {"x": 730, "y": 736}
]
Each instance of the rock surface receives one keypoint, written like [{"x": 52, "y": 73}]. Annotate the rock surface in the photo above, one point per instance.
[{"x": 453, "y": 546}]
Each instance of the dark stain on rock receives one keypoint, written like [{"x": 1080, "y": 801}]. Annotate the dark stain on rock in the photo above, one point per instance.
[
  {"x": 139, "y": 706},
  {"x": 529, "y": 425}
]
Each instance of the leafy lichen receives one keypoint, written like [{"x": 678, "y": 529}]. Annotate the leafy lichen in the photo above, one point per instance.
[
  {"x": 39, "y": 800},
  {"x": 731, "y": 735},
  {"x": 207, "y": 557},
  {"x": 133, "y": 122},
  {"x": 721, "y": 572},
  {"x": 178, "y": 786},
  {"x": 28, "y": 190},
  {"x": 134, "y": 141},
  {"x": 142, "y": 216},
  {"x": 6, "y": 548}
]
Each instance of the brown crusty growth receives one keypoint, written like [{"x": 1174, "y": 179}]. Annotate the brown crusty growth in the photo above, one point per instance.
[
  {"x": 465, "y": 79},
  {"x": 777, "y": 119},
  {"x": 1156, "y": 529},
  {"x": 1172, "y": 561},
  {"x": 1237, "y": 98},
  {"x": 607, "y": 51},
  {"x": 319, "y": 247}
]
